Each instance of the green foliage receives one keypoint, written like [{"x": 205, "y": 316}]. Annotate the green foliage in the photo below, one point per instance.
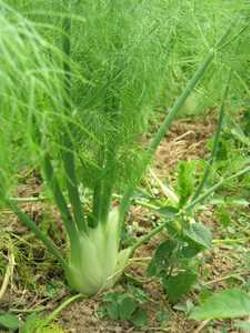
[
  {"x": 124, "y": 306},
  {"x": 120, "y": 71},
  {"x": 118, "y": 66},
  {"x": 34, "y": 323},
  {"x": 123, "y": 63},
  {"x": 168, "y": 211},
  {"x": 187, "y": 237},
  {"x": 198, "y": 27},
  {"x": 82, "y": 111},
  {"x": 185, "y": 181},
  {"x": 162, "y": 258},
  {"x": 179, "y": 253},
  {"x": 223, "y": 215},
  {"x": 140, "y": 318},
  {"x": 230, "y": 303},
  {"x": 80, "y": 83},
  {"x": 178, "y": 285},
  {"x": 79, "y": 87},
  {"x": 199, "y": 234},
  {"x": 27, "y": 76},
  {"x": 9, "y": 321},
  {"x": 243, "y": 325},
  {"x": 162, "y": 316}
]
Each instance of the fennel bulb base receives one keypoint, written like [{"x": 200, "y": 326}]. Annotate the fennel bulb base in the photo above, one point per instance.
[{"x": 96, "y": 262}]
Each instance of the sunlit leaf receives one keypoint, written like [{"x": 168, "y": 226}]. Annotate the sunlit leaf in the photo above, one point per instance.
[
  {"x": 199, "y": 234},
  {"x": 9, "y": 321},
  {"x": 230, "y": 303}
]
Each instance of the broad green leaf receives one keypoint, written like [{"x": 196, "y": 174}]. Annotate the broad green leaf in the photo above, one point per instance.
[
  {"x": 199, "y": 234},
  {"x": 120, "y": 306},
  {"x": 9, "y": 321},
  {"x": 138, "y": 293},
  {"x": 139, "y": 318},
  {"x": 230, "y": 303},
  {"x": 161, "y": 259},
  {"x": 113, "y": 310},
  {"x": 243, "y": 325},
  {"x": 127, "y": 306},
  {"x": 185, "y": 181},
  {"x": 190, "y": 250},
  {"x": 168, "y": 211},
  {"x": 162, "y": 316},
  {"x": 111, "y": 297},
  {"x": 111, "y": 306},
  {"x": 178, "y": 285}
]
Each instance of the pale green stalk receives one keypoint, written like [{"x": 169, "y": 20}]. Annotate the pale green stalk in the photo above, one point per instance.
[
  {"x": 68, "y": 152},
  {"x": 215, "y": 143}
]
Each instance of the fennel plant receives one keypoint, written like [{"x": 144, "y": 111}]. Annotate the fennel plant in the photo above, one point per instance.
[{"x": 78, "y": 104}]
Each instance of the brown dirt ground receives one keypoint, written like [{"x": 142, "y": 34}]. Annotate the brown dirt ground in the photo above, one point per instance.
[{"x": 186, "y": 140}]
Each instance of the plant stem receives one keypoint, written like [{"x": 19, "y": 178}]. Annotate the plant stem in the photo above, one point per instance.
[
  {"x": 68, "y": 155},
  {"x": 124, "y": 205},
  {"x": 215, "y": 187},
  {"x": 165, "y": 189},
  {"x": 62, "y": 306},
  {"x": 108, "y": 182},
  {"x": 60, "y": 201},
  {"x": 27, "y": 199},
  {"x": 230, "y": 241},
  {"x": 147, "y": 237},
  {"x": 216, "y": 141},
  {"x": 66, "y": 27},
  {"x": 97, "y": 193},
  {"x": 179, "y": 103},
  {"x": 96, "y": 204},
  {"x": 72, "y": 185}
]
